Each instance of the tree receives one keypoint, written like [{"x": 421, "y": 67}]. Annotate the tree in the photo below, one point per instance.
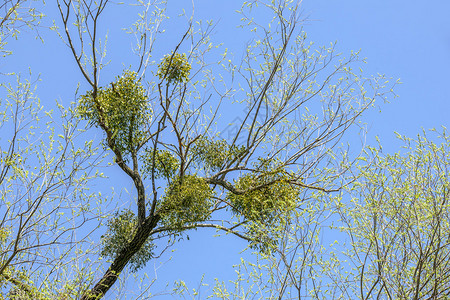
[
  {"x": 164, "y": 135},
  {"x": 43, "y": 174},
  {"x": 390, "y": 234},
  {"x": 399, "y": 222},
  {"x": 15, "y": 15},
  {"x": 160, "y": 123}
]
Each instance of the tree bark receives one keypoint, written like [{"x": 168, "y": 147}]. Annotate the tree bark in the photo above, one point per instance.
[{"x": 119, "y": 263}]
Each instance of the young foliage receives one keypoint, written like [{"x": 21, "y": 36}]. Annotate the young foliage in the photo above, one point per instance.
[{"x": 399, "y": 220}]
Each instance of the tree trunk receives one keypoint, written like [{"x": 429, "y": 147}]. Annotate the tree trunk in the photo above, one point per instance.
[{"x": 119, "y": 263}]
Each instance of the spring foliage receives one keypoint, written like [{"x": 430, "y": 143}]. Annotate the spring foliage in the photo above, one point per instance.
[{"x": 400, "y": 219}]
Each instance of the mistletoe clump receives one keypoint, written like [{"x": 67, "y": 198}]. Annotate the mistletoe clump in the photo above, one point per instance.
[
  {"x": 269, "y": 196},
  {"x": 174, "y": 68},
  {"x": 266, "y": 204},
  {"x": 122, "y": 110},
  {"x": 162, "y": 163},
  {"x": 187, "y": 201},
  {"x": 121, "y": 229},
  {"x": 213, "y": 154}
]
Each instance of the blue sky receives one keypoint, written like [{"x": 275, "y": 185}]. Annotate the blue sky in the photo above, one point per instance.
[
  {"x": 410, "y": 42},
  {"x": 406, "y": 40}
]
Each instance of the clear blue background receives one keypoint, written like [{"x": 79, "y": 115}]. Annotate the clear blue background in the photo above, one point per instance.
[{"x": 409, "y": 40}]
